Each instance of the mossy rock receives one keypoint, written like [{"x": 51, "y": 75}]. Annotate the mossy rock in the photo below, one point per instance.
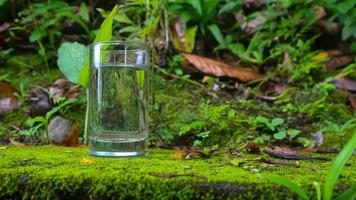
[{"x": 52, "y": 172}]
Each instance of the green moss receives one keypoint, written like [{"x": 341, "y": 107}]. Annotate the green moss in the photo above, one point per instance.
[{"x": 59, "y": 172}]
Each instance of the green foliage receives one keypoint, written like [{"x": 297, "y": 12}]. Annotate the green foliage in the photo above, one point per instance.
[
  {"x": 39, "y": 122},
  {"x": 105, "y": 34},
  {"x": 330, "y": 180},
  {"x": 343, "y": 11},
  {"x": 43, "y": 21},
  {"x": 71, "y": 59},
  {"x": 280, "y": 180},
  {"x": 336, "y": 169}
]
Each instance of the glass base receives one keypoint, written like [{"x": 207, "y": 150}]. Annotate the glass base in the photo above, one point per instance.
[
  {"x": 112, "y": 146},
  {"x": 117, "y": 154}
]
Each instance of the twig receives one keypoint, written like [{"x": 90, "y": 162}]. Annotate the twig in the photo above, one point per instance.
[
  {"x": 276, "y": 162},
  {"x": 178, "y": 77}
]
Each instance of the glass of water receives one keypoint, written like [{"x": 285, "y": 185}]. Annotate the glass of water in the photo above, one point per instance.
[{"x": 118, "y": 99}]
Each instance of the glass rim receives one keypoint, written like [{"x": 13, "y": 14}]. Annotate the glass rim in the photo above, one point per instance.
[{"x": 121, "y": 42}]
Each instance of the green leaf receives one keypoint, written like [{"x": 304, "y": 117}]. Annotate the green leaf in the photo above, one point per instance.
[
  {"x": 71, "y": 59},
  {"x": 293, "y": 132},
  {"x": 84, "y": 11},
  {"x": 37, "y": 34},
  {"x": 238, "y": 49},
  {"x": 345, "y": 6},
  {"x": 283, "y": 181},
  {"x": 230, "y": 5},
  {"x": 336, "y": 168},
  {"x": 277, "y": 121},
  {"x": 350, "y": 193},
  {"x": 130, "y": 29},
  {"x": 122, "y": 18},
  {"x": 2, "y": 2},
  {"x": 286, "y": 3},
  {"x": 104, "y": 34},
  {"x": 197, "y": 6},
  {"x": 317, "y": 189},
  {"x": 304, "y": 141},
  {"x": 280, "y": 135},
  {"x": 190, "y": 34},
  {"x": 214, "y": 29}
]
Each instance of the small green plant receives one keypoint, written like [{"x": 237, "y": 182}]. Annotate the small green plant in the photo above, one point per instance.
[
  {"x": 39, "y": 122},
  {"x": 330, "y": 179}
]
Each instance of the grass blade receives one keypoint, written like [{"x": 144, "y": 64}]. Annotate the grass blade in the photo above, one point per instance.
[
  {"x": 350, "y": 193},
  {"x": 335, "y": 170},
  {"x": 283, "y": 181}
]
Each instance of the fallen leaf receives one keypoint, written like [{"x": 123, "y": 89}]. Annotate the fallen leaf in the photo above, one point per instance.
[
  {"x": 235, "y": 152},
  {"x": 189, "y": 154},
  {"x": 216, "y": 68},
  {"x": 87, "y": 161},
  {"x": 252, "y": 26},
  {"x": 352, "y": 99},
  {"x": 71, "y": 140},
  {"x": 6, "y": 90},
  {"x": 289, "y": 154},
  {"x": 9, "y": 104},
  {"x": 327, "y": 150},
  {"x": 308, "y": 149},
  {"x": 16, "y": 143},
  {"x": 63, "y": 88},
  {"x": 277, "y": 162},
  {"x": 338, "y": 61},
  {"x": 345, "y": 84},
  {"x": 184, "y": 40},
  {"x": 39, "y": 102},
  {"x": 253, "y": 148},
  {"x": 323, "y": 55}
]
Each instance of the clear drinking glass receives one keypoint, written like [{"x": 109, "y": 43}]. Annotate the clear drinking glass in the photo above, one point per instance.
[{"x": 118, "y": 99}]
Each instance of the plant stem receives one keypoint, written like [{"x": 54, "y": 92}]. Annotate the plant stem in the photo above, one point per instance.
[{"x": 86, "y": 120}]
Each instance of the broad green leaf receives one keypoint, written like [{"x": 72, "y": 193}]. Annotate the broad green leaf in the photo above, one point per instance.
[
  {"x": 104, "y": 34},
  {"x": 284, "y": 181},
  {"x": 280, "y": 135},
  {"x": 304, "y": 141},
  {"x": 140, "y": 76},
  {"x": 71, "y": 59},
  {"x": 350, "y": 193},
  {"x": 336, "y": 168},
  {"x": 84, "y": 11},
  {"x": 214, "y": 29}
]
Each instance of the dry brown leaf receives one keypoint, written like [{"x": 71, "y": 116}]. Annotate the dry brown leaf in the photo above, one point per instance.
[
  {"x": 338, "y": 61},
  {"x": 6, "y": 90},
  {"x": 352, "y": 99},
  {"x": 289, "y": 154},
  {"x": 345, "y": 84},
  {"x": 16, "y": 143},
  {"x": 179, "y": 36},
  {"x": 253, "y": 148},
  {"x": 190, "y": 153},
  {"x": 216, "y": 68},
  {"x": 63, "y": 88},
  {"x": 71, "y": 139},
  {"x": 9, "y": 104}
]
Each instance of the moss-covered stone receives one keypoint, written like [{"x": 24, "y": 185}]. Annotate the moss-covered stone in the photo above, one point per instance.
[{"x": 51, "y": 172}]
